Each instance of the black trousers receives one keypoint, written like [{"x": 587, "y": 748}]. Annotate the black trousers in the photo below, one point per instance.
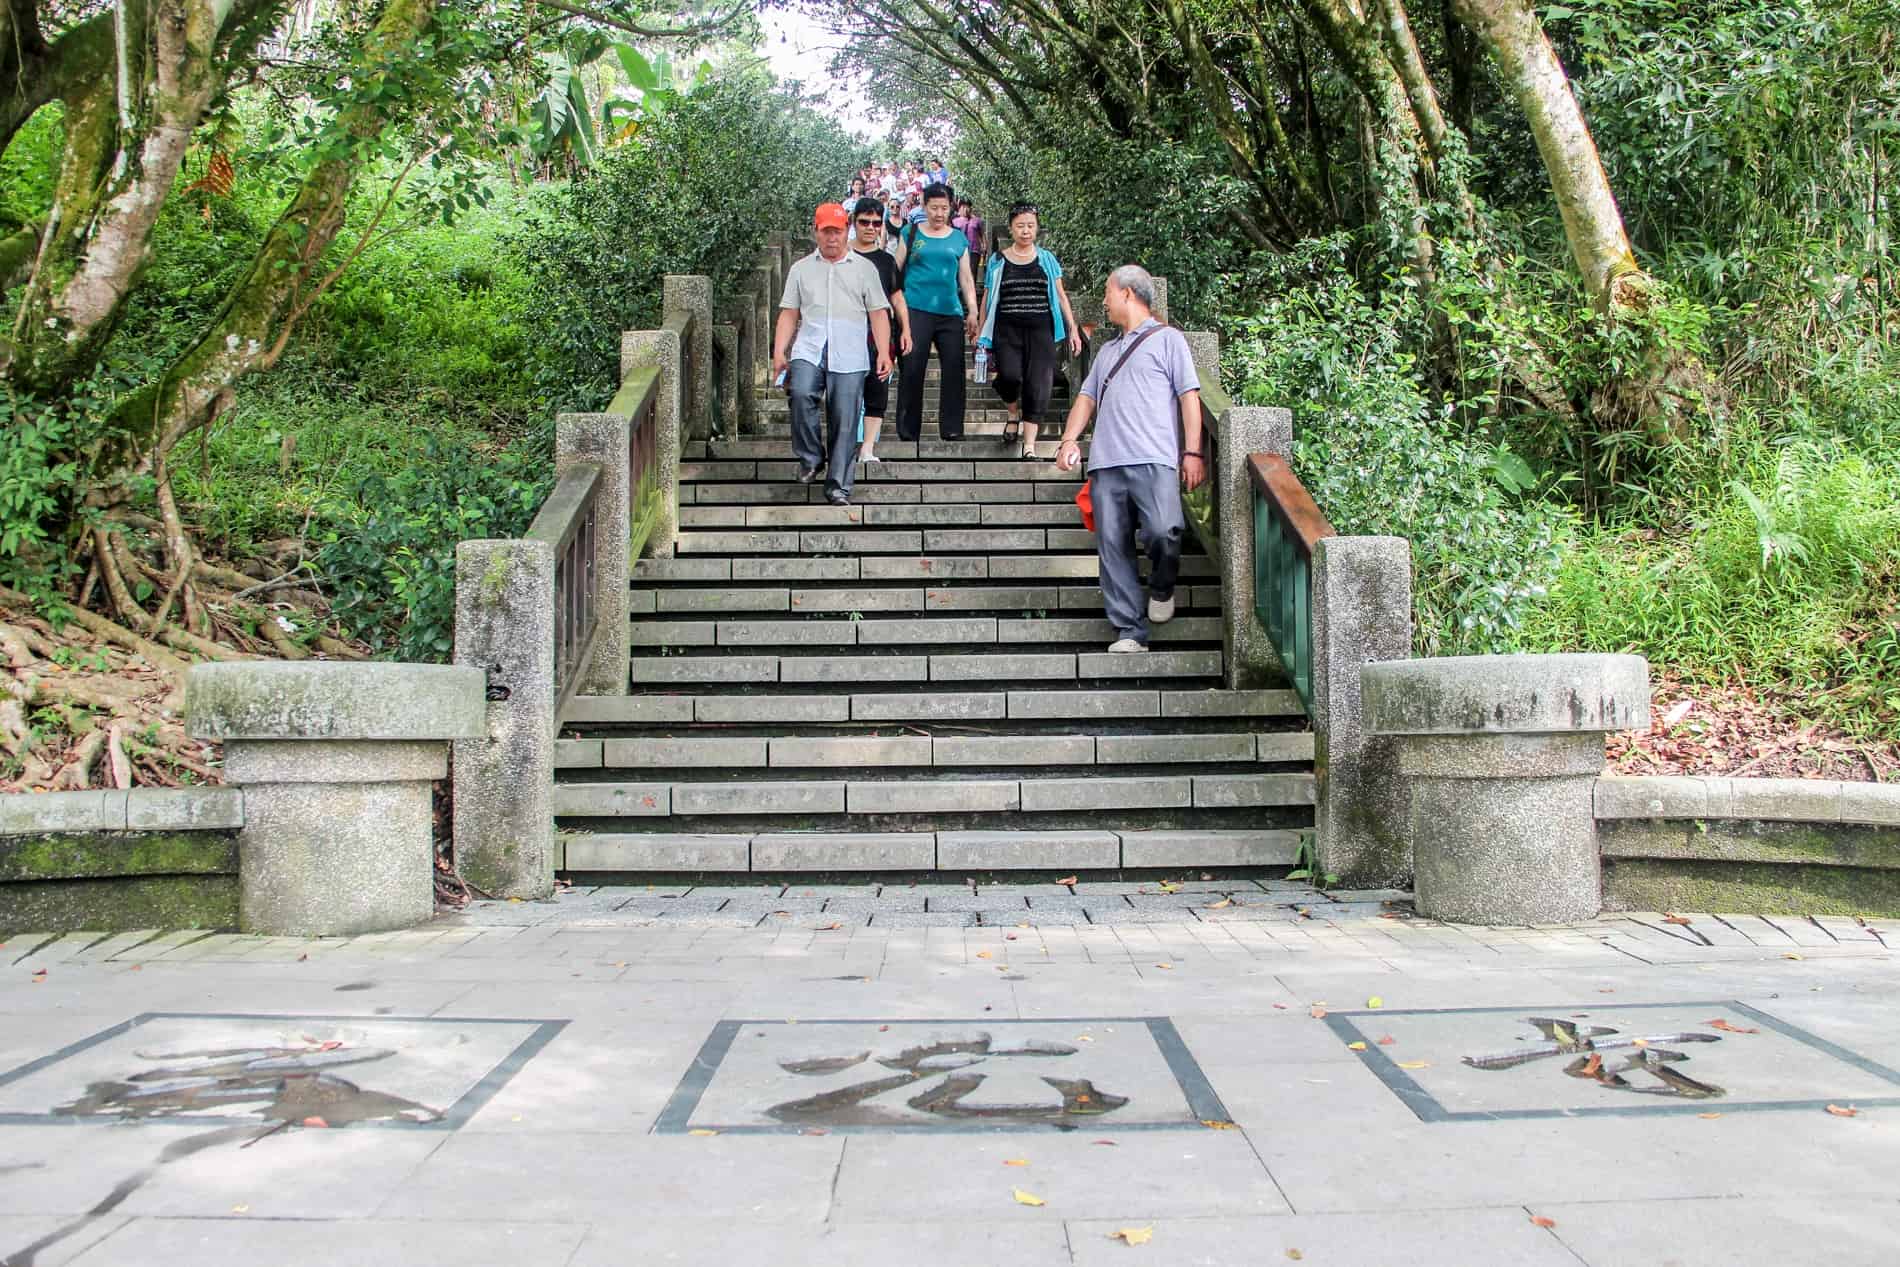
[
  {"x": 1025, "y": 364},
  {"x": 945, "y": 333}
]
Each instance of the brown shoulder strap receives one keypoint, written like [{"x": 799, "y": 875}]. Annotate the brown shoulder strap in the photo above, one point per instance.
[{"x": 1110, "y": 377}]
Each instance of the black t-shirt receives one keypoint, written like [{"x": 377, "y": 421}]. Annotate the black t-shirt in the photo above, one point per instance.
[
  {"x": 1023, "y": 292},
  {"x": 885, "y": 264}
]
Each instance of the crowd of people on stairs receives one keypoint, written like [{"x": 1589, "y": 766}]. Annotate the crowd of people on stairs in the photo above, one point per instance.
[{"x": 894, "y": 278}]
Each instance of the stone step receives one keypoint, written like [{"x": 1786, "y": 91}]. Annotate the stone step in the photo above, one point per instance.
[
  {"x": 751, "y": 493},
  {"x": 851, "y": 629},
  {"x": 973, "y": 466},
  {"x": 898, "y": 705},
  {"x": 1055, "y": 666},
  {"x": 939, "y": 569},
  {"x": 662, "y": 798},
  {"x": 889, "y": 448},
  {"x": 845, "y": 851},
  {"x": 736, "y": 752},
  {"x": 946, "y": 592}
]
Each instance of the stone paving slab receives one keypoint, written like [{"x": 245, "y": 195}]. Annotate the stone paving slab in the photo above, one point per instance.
[{"x": 1323, "y": 1154}]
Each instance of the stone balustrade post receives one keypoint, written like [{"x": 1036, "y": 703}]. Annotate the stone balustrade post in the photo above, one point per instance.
[
  {"x": 336, "y": 762},
  {"x": 1160, "y": 308},
  {"x": 1249, "y": 659},
  {"x": 755, "y": 290},
  {"x": 660, "y": 348},
  {"x": 726, "y": 378},
  {"x": 504, "y": 780},
  {"x": 1361, "y": 613},
  {"x": 1502, "y": 754},
  {"x": 692, "y": 297}
]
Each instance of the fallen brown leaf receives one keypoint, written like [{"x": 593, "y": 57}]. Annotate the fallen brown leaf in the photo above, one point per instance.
[
  {"x": 1316, "y": 1012},
  {"x": 1708, "y": 1117},
  {"x": 1165, "y": 966},
  {"x": 1108, "y": 1143},
  {"x": 982, "y": 954},
  {"x": 1015, "y": 1161},
  {"x": 1132, "y": 1235},
  {"x": 1220, "y": 905},
  {"x": 1358, "y": 1046},
  {"x": 1026, "y": 1198},
  {"x": 1843, "y": 1110},
  {"x": 1295, "y": 1255},
  {"x": 1790, "y": 955},
  {"x": 825, "y": 928},
  {"x": 1593, "y": 1066},
  {"x": 700, "y": 1130},
  {"x": 1727, "y": 1028},
  {"x": 1676, "y": 919},
  {"x": 1415, "y": 1064},
  {"x": 1542, "y": 1221},
  {"x": 1067, "y": 879},
  {"x": 315, "y": 1123},
  {"x": 1387, "y": 1041},
  {"x": 1215, "y": 1124}
]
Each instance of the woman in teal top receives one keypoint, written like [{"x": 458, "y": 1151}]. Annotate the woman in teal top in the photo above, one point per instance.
[{"x": 934, "y": 259}]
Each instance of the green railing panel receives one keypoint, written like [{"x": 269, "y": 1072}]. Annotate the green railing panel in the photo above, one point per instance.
[{"x": 1283, "y": 594}]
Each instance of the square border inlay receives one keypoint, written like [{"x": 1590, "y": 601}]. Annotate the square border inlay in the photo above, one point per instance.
[
  {"x": 453, "y": 1117},
  {"x": 1202, "y": 1101},
  {"x": 1428, "y": 1109}
]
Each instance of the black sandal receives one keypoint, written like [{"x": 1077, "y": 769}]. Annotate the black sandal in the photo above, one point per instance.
[{"x": 1009, "y": 435}]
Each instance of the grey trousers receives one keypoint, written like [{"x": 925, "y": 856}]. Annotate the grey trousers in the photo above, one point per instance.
[
  {"x": 1126, "y": 498},
  {"x": 817, "y": 393}
]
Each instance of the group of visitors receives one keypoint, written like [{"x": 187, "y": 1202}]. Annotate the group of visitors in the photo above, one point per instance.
[{"x": 879, "y": 295}]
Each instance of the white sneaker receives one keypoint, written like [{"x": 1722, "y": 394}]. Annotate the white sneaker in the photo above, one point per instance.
[
  {"x": 1126, "y": 646},
  {"x": 1160, "y": 610}
]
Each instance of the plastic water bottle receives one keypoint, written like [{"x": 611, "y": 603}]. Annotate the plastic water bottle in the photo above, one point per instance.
[{"x": 982, "y": 365}]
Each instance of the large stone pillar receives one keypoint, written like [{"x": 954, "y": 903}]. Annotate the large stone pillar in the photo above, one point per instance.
[
  {"x": 1362, "y": 614},
  {"x": 692, "y": 297},
  {"x": 1503, "y": 754},
  {"x": 504, "y": 780},
  {"x": 336, "y": 762},
  {"x": 660, "y": 348}
]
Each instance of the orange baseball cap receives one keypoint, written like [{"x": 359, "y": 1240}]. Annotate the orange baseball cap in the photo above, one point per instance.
[{"x": 831, "y": 216}]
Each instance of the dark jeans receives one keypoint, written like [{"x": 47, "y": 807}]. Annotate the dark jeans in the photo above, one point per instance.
[
  {"x": 1127, "y": 497},
  {"x": 1025, "y": 364},
  {"x": 814, "y": 389},
  {"x": 945, "y": 332}
]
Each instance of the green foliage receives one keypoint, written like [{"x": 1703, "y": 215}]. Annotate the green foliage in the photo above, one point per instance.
[
  {"x": 1115, "y": 202},
  {"x": 37, "y": 484},
  {"x": 694, "y": 191},
  {"x": 1382, "y": 458},
  {"x": 1793, "y": 574},
  {"x": 391, "y": 561},
  {"x": 28, "y": 166}
]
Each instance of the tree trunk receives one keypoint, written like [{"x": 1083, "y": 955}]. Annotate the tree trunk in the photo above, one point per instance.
[
  {"x": 255, "y": 322},
  {"x": 1592, "y": 222},
  {"x": 128, "y": 124}
]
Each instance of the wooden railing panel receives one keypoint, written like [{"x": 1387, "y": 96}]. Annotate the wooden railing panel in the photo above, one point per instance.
[{"x": 569, "y": 523}]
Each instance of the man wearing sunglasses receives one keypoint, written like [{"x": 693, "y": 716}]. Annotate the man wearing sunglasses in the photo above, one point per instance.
[
  {"x": 832, "y": 300},
  {"x": 868, "y": 220}
]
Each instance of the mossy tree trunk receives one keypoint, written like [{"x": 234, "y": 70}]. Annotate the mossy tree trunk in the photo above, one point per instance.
[
  {"x": 135, "y": 89},
  {"x": 1593, "y": 224}
]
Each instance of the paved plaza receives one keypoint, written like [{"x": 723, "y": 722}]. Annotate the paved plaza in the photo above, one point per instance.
[{"x": 1206, "y": 1072}]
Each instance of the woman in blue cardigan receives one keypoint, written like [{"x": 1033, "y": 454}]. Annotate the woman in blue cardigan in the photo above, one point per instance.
[{"x": 1026, "y": 318}]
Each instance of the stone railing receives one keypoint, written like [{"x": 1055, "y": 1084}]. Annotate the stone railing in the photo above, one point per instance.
[{"x": 545, "y": 617}]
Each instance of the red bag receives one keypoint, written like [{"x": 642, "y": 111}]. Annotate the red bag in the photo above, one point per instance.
[{"x": 1086, "y": 505}]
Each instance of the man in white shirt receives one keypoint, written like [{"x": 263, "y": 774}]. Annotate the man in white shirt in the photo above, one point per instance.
[{"x": 833, "y": 297}]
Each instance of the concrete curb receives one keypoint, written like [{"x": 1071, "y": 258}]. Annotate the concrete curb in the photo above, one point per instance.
[
  {"x": 139, "y": 809},
  {"x": 1620, "y": 797}
]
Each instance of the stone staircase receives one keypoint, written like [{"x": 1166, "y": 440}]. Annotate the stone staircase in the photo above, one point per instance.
[{"x": 916, "y": 682}]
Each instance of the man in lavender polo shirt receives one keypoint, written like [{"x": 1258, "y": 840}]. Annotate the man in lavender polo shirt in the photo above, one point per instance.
[{"x": 1135, "y": 389}]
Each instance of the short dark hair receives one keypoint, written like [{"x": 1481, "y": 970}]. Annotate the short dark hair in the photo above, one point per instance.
[
  {"x": 932, "y": 191},
  {"x": 867, "y": 204}
]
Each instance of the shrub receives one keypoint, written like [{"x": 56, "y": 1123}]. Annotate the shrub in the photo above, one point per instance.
[{"x": 1382, "y": 458}]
